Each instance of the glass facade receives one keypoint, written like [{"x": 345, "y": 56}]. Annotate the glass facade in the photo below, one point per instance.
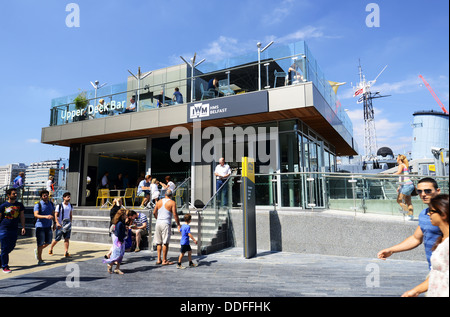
[{"x": 279, "y": 65}]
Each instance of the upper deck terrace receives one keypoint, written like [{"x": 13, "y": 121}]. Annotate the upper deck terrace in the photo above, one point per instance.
[{"x": 291, "y": 85}]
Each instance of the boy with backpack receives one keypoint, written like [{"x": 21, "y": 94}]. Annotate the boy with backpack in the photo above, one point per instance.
[{"x": 63, "y": 219}]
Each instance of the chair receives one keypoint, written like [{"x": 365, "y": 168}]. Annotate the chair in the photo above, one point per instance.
[
  {"x": 179, "y": 197},
  {"x": 128, "y": 194},
  {"x": 207, "y": 93},
  {"x": 103, "y": 194},
  {"x": 278, "y": 74}
]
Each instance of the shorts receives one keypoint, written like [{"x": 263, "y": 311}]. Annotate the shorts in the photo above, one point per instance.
[
  {"x": 185, "y": 248},
  {"x": 43, "y": 236},
  {"x": 406, "y": 189},
  {"x": 59, "y": 234},
  {"x": 142, "y": 232},
  {"x": 144, "y": 193},
  {"x": 162, "y": 233}
]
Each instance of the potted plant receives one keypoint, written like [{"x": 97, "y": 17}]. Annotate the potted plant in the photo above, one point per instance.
[{"x": 81, "y": 102}]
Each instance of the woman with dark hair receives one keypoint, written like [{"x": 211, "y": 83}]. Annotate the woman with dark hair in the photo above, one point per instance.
[
  {"x": 118, "y": 248},
  {"x": 437, "y": 282}
]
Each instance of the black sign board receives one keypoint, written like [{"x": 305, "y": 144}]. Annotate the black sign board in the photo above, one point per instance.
[{"x": 231, "y": 106}]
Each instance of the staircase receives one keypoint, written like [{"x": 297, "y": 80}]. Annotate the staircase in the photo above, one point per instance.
[{"x": 90, "y": 224}]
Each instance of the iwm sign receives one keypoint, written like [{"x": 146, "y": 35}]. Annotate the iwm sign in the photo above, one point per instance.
[{"x": 238, "y": 105}]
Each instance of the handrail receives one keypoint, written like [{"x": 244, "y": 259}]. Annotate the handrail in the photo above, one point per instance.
[
  {"x": 182, "y": 184},
  {"x": 217, "y": 192}
]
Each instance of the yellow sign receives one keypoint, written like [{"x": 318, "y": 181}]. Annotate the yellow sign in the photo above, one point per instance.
[
  {"x": 248, "y": 168},
  {"x": 432, "y": 168}
]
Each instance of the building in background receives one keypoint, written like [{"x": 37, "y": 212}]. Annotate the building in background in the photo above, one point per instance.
[
  {"x": 37, "y": 174},
  {"x": 9, "y": 172}
]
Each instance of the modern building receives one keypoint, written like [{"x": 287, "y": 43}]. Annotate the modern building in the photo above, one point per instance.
[
  {"x": 430, "y": 130},
  {"x": 9, "y": 172},
  {"x": 277, "y": 107},
  {"x": 37, "y": 174}
]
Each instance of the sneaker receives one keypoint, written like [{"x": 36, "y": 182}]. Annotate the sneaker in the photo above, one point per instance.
[
  {"x": 41, "y": 262},
  {"x": 6, "y": 269},
  {"x": 67, "y": 255},
  {"x": 192, "y": 264},
  {"x": 179, "y": 266},
  {"x": 50, "y": 252}
]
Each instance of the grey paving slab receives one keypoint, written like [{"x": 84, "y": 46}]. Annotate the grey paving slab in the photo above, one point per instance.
[{"x": 224, "y": 274}]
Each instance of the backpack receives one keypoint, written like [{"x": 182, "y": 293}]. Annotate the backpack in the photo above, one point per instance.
[
  {"x": 58, "y": 208},
  {"x": 40, "y": 206}
]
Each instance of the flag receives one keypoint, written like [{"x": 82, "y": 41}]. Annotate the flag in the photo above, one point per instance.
[{"x": 358, "y": 92}]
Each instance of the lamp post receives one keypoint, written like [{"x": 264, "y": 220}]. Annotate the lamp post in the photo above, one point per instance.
[
  {"x": 259, "y": 60},
  {"x": 139, "y": 77},
  {"x": 96, "y": 87},
  {"x": 192, "y": 64}
]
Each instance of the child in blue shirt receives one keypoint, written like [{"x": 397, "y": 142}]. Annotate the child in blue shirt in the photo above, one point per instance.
[{"x": 185, "y": 247}]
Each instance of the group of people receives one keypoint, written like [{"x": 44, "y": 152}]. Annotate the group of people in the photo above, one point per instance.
[
  {"x": 149, "y": 189},
  {"x": 432, "y": 231},
  {"x": 49, "y": 219},
  {"x": 125, "y": 222}
]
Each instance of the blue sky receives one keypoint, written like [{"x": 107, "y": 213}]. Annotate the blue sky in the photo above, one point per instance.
[{"x": 41, "y": 58}]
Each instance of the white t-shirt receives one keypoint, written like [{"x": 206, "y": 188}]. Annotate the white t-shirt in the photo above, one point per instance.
[
  {"x": 64, "y": 209},
  {"x": 223, "y": 170},
  {"x": 49, "y": 185}
]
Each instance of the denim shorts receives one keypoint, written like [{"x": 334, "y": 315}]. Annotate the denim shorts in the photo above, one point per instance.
[
  {"x": 406, "y": 189},
  {"x": 59, "y": 234},
  {"x": 43, "y": 236}
]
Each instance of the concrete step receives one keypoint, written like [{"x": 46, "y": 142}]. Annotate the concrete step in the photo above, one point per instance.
[{"x": 92, "y": 224}]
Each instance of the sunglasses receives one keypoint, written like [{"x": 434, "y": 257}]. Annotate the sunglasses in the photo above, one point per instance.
[
  {"x": 426, "y": 191},
  {"x": 431, "y": 211}
]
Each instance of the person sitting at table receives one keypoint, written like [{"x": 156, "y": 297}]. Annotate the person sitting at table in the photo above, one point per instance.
[
  {"x": 131, "y": 107},
  {"x": 144, "y": 190},
  {"x": 213, "y": 85}
]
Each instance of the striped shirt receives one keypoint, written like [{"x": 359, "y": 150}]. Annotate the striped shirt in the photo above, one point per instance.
[{"x": 141, "y": 219}]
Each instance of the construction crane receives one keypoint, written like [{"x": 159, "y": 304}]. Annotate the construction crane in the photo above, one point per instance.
[
  {"x": 434, "y": 95},
  {"x": 363, "y": 92}
]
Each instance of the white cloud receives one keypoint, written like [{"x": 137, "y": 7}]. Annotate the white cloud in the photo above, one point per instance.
[
  {"x": 33, "y": 141},
  {"x": 280, "y": 13},
  {"x": 388, "y": 133}
]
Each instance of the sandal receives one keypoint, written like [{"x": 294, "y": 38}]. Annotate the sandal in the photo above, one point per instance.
[
  {"x": 109, "y": 268},
  {"x": 117, "y": 271},
  {"x": 168, "y": 263}
]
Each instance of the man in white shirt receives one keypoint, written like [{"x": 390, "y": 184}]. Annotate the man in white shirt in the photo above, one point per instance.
[
  {"x": 131, "y": 107},
  {"x": 222, "y": 172},
  {"x": 63, "y": 219}
]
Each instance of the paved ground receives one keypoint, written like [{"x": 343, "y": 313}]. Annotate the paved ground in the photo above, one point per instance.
[{"x": 224, "y": 274}]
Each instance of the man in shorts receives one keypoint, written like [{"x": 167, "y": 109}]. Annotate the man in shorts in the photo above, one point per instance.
[
  {"x": 44, "y": 212},
  {"x": 163, "y": 212},
  {"x": 63, "y": 219}
]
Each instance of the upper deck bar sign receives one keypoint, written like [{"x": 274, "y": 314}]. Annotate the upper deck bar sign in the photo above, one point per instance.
[{"x": 231, "y": 106}]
